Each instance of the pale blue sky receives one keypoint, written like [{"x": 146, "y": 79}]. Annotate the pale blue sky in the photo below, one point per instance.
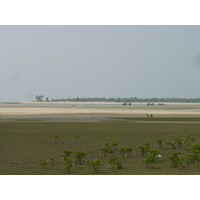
[{"x": 99, "y": 61}]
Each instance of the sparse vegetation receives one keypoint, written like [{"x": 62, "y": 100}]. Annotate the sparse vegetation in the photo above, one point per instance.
[
  {"x": 107, "y": 149},
  {"x": 141, "y": 137},
  {"x": 95, "y": 165},
  {"x": 144, "y": 149},
  {"x": 125, "y": 151},
  {"x": 159, "y": 142},
  {"x": 77, "y": 138},
  {"x": 42, "y": 163},
  {"x": 79, "y": 155},
  {"x": 52, "y": 160},
  {"x": 114, "y": 163},
  {"x": 55, "y": 139},
  {"x": 67, "y": 164},
  {"x": 176, "y": 161}
]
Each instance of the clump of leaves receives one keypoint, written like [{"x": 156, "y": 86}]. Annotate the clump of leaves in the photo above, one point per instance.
[
  {"x": 126, "y": 151},
  {"x": 114, "y": 145},
  {"x": 67, "y": 154},
  {"x": 79, "y": 155},
  {"x": 80, "y": 168},
  {"x": 154, "y": 153},
  {"x": 42, "y": 163},
  {"x": 159, "y": 142},
  {"x": 176, "y": 162},
  {"x": 55, "y": 139},
  {"x": 144, "y": 149},
  {"x": 114, "y": 163},
  {"x": 150, "y": 158},
  {"x": 52, "y": 160},
  {"x": 95, "y": 164},
  {"x": 197, "y": 165},
  {"x": 171, "y": 144},
  {"x": 77, "y": 138},
  {"x": 67, "y": 164},
  {"x": 178, "y": 141},
  {"x": 194, "y": 154},
  {"x": 148, "y": 161},
  {"x": 107, "y": 149}
]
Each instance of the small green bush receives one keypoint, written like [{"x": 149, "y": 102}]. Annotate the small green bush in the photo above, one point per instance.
[
  {"x": 144, "y": 149},
  {"x": 114, "y": 163},
  {"x": 126, "y": 151},
  {"x": 79, "y": 155},
  {"x": 43, "y": 163}
]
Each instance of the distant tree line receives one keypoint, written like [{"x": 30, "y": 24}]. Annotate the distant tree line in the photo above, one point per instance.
[
  {"x": 39, "y": 98},
  {"x": 131, "y": 99}
]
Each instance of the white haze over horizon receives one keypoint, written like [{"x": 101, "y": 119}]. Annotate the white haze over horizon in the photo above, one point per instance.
[{"x": 99, "y": 61}]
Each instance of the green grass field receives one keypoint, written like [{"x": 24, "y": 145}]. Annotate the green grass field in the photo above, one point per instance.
[{"x": 24, "y": 144}]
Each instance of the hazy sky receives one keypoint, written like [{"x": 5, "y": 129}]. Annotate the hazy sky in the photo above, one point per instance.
[{"x": 99, "y": 61}]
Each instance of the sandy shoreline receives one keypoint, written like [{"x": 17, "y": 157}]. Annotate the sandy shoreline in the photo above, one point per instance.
[
  {"x": 97, "y": 109},
  {"x": 93, "y": 112}
]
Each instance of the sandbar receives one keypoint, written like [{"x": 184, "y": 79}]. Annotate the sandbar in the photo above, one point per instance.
[{"x": 92, "y": 111}]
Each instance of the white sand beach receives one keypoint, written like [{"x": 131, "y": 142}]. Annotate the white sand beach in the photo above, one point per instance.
[{"x": 87, "y": 110}]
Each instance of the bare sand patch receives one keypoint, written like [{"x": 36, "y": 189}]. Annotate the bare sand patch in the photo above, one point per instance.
[
  {"x": 20, "y": 109},
  {"x": 93, "y": 112}
]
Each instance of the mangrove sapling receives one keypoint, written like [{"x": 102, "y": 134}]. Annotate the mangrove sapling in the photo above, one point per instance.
[
  {"x": 194, "y": 154},
  {"x": 67, "y": 164},
  {"x": 55, "y": 139},
  {"x": 52, "y": 160},
  {"x": 94, "y": 165},
  {"x": 144, "y": 149},
  {"x": 176, "y": 162},
  {"x": 148, "y": 161},
  {"x": 114, "y": 145},
  {"x": 114, "y": 163},
  {"x": 180, "y": 163},
  {"x": 43, "y": 163},
  {"x": 186, "y": 139},
  {"x": 159, "y": 142},
  {"x": 79, "y": 155},
  {"x": 150, "y": 158},
  {"x": 67, "y": 154},
  {"x": 154, "y": 153},
  {"x": 80, "y": 168},
  {"x": 107, "y": 149},
  {"x": 171, "y": 144},
  {"x": 77, "y": 138},
  {"x": 178, "y": 141},
  {"x": 197, "y": 165},
  {"x": 126, "y": 151}
]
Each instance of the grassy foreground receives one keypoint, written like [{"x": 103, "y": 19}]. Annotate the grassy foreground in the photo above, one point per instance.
[{"x": 24, "y": 144}]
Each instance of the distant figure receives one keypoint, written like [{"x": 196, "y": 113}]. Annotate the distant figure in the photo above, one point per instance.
[
  {"x": 147, "y": 115},
  {"x": 151, "y": 115}
]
